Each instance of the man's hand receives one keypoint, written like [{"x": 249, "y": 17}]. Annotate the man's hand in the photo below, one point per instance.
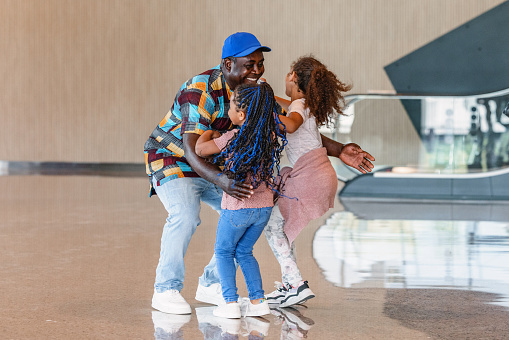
[
  {"x": 351, "y": 154},
  {"x": 211, "y": 172},
  {"x": 240, "y": 191}
]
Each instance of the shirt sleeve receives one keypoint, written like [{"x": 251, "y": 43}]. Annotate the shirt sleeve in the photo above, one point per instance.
[
  {"x": 197, "y": 108},
  {"x": 298, "y": 106},
  {"x": 224, "y": 139}
]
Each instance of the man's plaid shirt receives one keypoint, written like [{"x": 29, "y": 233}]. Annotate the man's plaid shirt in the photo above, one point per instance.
[{"x": 202, "y": 103}]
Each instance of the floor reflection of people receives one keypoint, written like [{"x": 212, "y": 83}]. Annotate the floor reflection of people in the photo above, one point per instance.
[
  {"x": 169, "y": 326},
  {"x": 216, "y": 328},
  {"x": 255, "y": 327},
  {"x": 294, "y": 325}
]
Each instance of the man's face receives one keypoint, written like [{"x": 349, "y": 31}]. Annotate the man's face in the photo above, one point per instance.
[{"x": 245, "y": 70}]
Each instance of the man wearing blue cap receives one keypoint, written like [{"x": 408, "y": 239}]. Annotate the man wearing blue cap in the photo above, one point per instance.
[{"x": 181, "y": 179}]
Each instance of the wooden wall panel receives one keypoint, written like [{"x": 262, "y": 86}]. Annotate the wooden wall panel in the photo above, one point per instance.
[{"x": 88, "y": 80}]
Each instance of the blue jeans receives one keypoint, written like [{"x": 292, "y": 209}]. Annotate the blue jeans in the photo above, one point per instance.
[
  {"x": 182, "y": 200},
  {"x": 237, "y": 233}
]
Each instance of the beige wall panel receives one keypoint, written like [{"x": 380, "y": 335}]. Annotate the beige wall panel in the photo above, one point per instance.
[{"x": 87, "y": 81}]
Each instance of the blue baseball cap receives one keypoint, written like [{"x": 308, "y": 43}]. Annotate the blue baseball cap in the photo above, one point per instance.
[{"x": 241, "y": 44}]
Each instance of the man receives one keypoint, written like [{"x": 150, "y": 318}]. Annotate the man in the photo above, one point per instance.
[{"x": 181, "y": 179}]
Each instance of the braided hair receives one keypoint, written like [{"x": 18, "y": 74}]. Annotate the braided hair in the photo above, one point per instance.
[
  {"x": 254, "y": 151},
  {"x": 321, "y": 89}
]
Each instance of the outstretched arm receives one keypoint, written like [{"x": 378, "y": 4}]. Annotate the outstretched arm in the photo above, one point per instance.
[
  {"x": 283, "y": 102},
  {"x": 211, "y": 172},
  {"x": 351, "y": 154},
  {"x": 292, "y": 122}
]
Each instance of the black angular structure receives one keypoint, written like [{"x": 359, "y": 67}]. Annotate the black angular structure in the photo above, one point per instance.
[{"x": 471, "y": 59}]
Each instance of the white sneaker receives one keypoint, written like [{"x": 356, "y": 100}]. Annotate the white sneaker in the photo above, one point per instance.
[
  {"x": 171, "y": 302},
  {"x": 211, "y": 294},
  {"x": 276, "y": 296},
  {"x": 169, "y": 323},
  {"x": 258, "y": 309},
  {"x": 208, "y": 321},
  {"x": 228, "y": 310},
  {"x": 299, "y": 294}
]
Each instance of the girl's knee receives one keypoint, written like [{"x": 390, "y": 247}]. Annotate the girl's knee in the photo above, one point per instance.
[
  {"x": 241, "y": 255},
  {"x": 222, "y": 252}
]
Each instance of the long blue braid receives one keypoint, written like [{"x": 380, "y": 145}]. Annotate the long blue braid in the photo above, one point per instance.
[{"x": 254, "y": 152}]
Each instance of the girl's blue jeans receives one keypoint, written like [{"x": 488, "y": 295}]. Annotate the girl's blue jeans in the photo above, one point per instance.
[{"x": 237, "y": 233}]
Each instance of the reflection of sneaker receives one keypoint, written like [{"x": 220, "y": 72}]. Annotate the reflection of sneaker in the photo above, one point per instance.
[
  {"x": 211, "y": 294},
  {"x": 170, "y": 301},
  {"x": 228, "y": 310},
  {"x": 206, "y": 318},
  {"x": 255, "y": 310},
  {"x": 276, "y": 296},
  {"x": 294, "y": 316},
  {"x": 294, "y": 325},
  {"x": 257, "y": 324},
  {"x": 297, "y": 295},
  {"x": 166, "y": 325}
]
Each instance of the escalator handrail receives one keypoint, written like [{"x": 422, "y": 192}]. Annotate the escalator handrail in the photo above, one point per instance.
[
  {"x": 420, "y": 175},
  {"x": 353, "y": 98}
]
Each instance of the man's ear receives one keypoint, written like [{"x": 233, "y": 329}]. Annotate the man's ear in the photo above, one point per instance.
[{"x": 228, "y": 64}]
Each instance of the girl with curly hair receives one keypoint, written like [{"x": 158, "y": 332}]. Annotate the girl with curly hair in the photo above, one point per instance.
[
  {"x": 316, "y": 97},
  {"x": 250, "y": 154}
]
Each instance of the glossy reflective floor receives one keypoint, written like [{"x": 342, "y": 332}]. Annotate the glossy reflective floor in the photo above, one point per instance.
[{"x": 78, "y": 257}]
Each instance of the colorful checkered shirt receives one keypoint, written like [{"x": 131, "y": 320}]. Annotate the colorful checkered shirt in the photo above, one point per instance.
[{"x": 202, "y": 103}]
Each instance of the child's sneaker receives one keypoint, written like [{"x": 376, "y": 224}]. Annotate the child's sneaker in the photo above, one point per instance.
[
  {"x": 276, "y": 296},
  {"x": 296, "y": 295},
  {"x": 258, "y": 309},
  {"x": 228, "y": 310}
]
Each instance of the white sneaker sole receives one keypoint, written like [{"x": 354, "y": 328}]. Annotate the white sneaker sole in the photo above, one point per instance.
[
  {"x": 305, "y": 295},
  {"x": 172, "y": 310},
  {"x": 260, "y": 312},
  {"x": 229, "y": 313}
]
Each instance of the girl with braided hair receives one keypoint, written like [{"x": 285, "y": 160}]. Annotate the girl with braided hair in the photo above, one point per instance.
[
  {"x": 250, "y": 155},
  {"x": 316, "y": 97}
]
